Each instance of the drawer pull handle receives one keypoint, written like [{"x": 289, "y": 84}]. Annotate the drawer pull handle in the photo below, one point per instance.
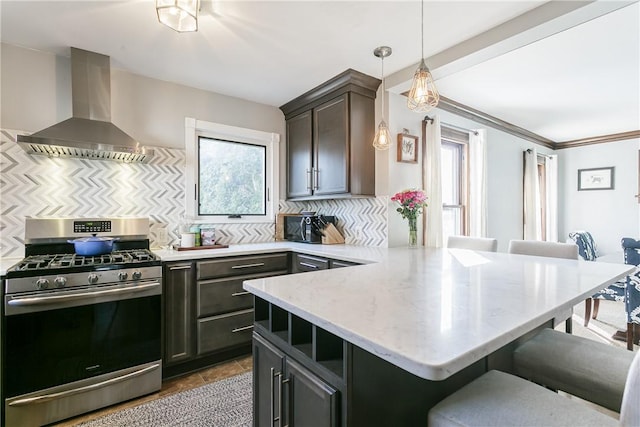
[
  {"x": 244, "y": 328},
  {"x": 180, "y": 267},
  {"x": 257, "y": 264},
  {"x": 239, "y": 294},
  {"x": 306, "y": 264}
]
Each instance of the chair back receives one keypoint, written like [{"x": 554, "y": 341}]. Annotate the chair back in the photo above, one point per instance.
[
  {"x": 586, "y": 245},
  {"x": 630, "y": 409},
  {"x": 474, "y": 243},
  {"x": 548, "y": 249},
  {"x": 631, "y": 249}
]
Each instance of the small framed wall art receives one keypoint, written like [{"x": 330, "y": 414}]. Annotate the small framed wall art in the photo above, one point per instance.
[
  {"x": 596, "y": 179},
  {"x": 407, "y": 148}
]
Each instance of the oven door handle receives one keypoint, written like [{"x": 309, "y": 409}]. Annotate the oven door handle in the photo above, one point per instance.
[
  {"x": 21, "y": 302},
  {"x": 66, "y": 393}
]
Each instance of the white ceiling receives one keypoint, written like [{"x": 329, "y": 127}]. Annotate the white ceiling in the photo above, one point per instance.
[{"x": 578, "y": 83}]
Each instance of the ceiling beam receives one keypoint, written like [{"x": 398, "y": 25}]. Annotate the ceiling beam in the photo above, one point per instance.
[{"x": 544, "y": 21}]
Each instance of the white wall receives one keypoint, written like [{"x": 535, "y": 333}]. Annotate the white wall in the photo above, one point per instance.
[
  {"x": 504, "y": 173},
  {"x": 402, "y": 175},
  {"x": 36, "y": 93},
  {"x": 504, "y": 179},
  {"x": 608, "y": 215}
]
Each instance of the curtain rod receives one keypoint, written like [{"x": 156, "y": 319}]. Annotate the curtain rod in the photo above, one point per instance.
[
  {"x": 429, "y": 119},
  {"x": 528, "y": 150}
]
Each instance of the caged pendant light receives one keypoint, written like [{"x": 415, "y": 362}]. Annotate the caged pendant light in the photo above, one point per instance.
[
  {"x": 423, "y": 95},
  {"x": 382, "y": 139},
  {"x": 179, "y": 15}
]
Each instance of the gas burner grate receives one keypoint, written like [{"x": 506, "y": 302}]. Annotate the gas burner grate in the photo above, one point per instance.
[{"x": 45, "y": 262}]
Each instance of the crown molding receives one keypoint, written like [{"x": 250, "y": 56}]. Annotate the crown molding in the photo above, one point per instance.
[
  {"x": 622, "y": 136},
  {"x": 478, "y": 116}
]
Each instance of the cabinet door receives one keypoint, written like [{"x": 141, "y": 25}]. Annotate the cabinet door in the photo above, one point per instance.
[
  {"x": 299, "y": 151},
  {"x": 178, "y": 312},
  {"x": 268, "y": 364},
  {"x": 311, "y": 402},
  {"x": 331, "y": 142}
]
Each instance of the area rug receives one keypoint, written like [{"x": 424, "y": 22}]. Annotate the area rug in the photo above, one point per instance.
[{"x": 224, "y": 403}]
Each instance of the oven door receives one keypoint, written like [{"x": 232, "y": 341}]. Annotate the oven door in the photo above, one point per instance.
[{"x": 63, "y": 337}]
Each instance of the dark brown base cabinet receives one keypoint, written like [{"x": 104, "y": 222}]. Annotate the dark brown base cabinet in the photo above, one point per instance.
[
  {"x": 178, "y": 311},
  {"x": 288, "y": 394},
  {"x": 208, "y": 317},
  {"x": 306, "y": 376}
]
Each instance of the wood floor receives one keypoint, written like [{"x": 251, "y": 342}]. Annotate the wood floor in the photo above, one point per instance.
[{"x": 173, "y": 386}]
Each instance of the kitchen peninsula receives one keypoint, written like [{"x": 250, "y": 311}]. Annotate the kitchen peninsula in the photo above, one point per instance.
[{"x": 379, "y": 344}]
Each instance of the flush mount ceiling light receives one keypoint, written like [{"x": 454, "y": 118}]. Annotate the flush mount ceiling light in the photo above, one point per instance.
[
  {"x": 423, "y": 95},
  {"x": 382, "y": 138},
  {"x": 179, "y": 15}
]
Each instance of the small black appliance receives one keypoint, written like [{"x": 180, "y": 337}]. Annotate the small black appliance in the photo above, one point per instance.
[{"x": 306, "y": 227}]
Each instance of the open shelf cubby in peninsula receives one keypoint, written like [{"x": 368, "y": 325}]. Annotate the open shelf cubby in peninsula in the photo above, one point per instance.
[{"x": 314, "y": 342}]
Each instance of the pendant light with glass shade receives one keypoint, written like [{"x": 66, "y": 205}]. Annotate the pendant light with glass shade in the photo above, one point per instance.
[
  {"x": 179, "y": 15},
  {"x": 423, "y": 95},
  {"x": 382, "y": 139}
]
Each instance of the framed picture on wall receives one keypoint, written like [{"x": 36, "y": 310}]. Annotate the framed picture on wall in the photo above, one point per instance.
[
  {"x": 407, "y": 148},
  {"x": 595, "y": 179}
]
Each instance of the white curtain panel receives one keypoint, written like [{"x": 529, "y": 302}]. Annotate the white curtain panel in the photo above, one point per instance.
[
  {"x": 478, "y": 183},
  {"x": 551, "y": 170},
  {"x": 532, "y": 215},
  {"x": 432, "y": 183}
]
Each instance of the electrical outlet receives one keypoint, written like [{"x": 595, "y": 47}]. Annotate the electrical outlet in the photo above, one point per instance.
[
  {"x": 162, "y": 236},
  {"x": 359, "y": 233}
]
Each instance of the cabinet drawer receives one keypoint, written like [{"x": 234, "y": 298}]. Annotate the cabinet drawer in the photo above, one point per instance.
[
  {"x": 235, "y": 266},
  {"x": 334, "y": 263},
  {"x": 309, "y": 263},
  {"x": 227, "y": 330},
  {"x": 217, "y": 296}
]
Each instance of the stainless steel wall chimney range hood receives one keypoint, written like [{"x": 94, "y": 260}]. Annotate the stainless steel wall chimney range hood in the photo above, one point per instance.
[{"x": 89, "y": 133}]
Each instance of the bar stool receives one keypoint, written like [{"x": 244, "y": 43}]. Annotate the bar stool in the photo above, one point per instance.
[
  {"x": 500, "y": 399},
  {"x": 474, "y": 243}
]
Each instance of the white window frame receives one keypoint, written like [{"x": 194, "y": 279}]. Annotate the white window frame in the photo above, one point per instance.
[{"x": 197, "y": 128}]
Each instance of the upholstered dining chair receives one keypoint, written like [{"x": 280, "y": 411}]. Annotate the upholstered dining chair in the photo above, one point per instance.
[
  {"x": 632, "y": 291},
  {"x": 614, "y": 292},
  {"x": 497, "y": 398},
  {"x": 474, "y": 243},
  {"x": 546, "y": 249}
]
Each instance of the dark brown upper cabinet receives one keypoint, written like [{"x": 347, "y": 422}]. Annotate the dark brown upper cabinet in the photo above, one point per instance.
[{"x": 330, "y": 130}]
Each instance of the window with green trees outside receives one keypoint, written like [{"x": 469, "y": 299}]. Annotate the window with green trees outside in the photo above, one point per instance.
[{"x": 231, "y": 179}]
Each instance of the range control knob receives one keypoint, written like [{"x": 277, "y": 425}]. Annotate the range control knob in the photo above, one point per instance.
[
  {"x": 42, "y": 284},
  {"x": 93, "y": 278},
  {"x": 60, "y": 282},
  {"x": 136, "y": 275},
  {"x": 122, "y": 276}
]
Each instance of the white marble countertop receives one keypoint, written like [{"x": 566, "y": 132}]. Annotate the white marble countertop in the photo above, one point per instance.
[
  {"x": 433, "y": 312},
  {"x": 359, "y": 254}
]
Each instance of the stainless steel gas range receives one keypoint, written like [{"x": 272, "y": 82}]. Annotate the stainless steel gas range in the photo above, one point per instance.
[{"x": 80, "y": 332}]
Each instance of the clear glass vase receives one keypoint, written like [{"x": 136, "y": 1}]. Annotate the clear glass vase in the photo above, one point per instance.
[{"x": 413, "y": 232}]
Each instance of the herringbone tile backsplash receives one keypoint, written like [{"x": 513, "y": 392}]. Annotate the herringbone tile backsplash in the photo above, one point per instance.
[{"x": 39, "y": 186}]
